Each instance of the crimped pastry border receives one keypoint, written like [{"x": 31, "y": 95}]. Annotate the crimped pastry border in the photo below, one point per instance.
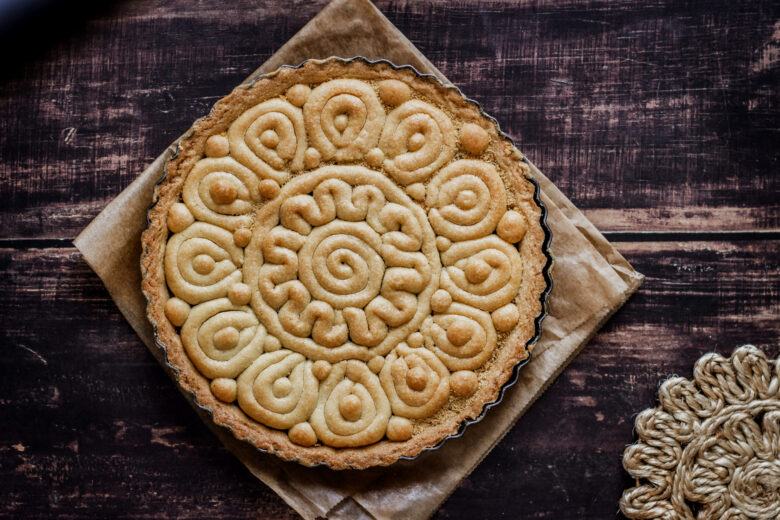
[{"x": 505, "y": 364}]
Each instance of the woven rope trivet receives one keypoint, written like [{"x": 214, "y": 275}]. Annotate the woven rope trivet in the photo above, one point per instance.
[{"x": 711, "y": 450}]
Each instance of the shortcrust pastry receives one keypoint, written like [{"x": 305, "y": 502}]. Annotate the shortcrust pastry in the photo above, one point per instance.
[{"x": 344, "y": 262}]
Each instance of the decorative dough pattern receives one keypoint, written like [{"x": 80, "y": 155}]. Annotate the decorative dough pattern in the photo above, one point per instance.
[
  {"x": 343, "y": 119},
  {"x": 201, "y": 262},
  {"x": 222, "y": 339},
  {"x": 335, "y": 267},
  {"x": 417, "y": 139},
  {"x": 352, "y": 409},
  {"x": 344, "y": 264},
  {"x": 233, "y": 186},
  {"x": 269, "y": 137}
]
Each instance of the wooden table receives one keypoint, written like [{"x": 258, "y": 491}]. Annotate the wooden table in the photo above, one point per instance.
[{"x": 658, "y": 119}]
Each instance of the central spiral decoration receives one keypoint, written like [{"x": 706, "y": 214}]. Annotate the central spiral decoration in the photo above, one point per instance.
[
  {"x": 344, "y": 265},
  {"x": 340, "y": 264}
]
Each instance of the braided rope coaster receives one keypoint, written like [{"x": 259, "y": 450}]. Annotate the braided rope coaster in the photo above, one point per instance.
[{"x": 711, "y": 450}]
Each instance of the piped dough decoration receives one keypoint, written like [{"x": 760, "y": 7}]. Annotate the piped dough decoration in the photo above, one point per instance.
[{"x": 353, "y": 261}]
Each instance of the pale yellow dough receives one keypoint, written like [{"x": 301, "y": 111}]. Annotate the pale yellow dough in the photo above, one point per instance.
[{"x": 347, "y": 263}]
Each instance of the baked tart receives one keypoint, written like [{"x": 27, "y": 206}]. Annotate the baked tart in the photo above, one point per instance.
[{"x": 345, "y": 262}]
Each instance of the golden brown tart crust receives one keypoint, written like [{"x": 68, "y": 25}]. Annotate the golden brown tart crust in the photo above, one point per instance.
[{"x": 351, "y": 130}]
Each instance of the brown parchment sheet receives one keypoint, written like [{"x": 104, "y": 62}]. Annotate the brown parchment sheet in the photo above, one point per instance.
[{"x": 591, "y": 281}]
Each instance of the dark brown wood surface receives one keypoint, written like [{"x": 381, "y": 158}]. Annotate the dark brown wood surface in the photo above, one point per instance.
[{"x": 658, "y": 119}]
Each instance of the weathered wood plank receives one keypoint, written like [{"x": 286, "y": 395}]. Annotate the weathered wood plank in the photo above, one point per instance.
[
  {"x": 93, "y": 428},
  {"x": 90, "y": 426},
  {"x": 657, "y": 115}
]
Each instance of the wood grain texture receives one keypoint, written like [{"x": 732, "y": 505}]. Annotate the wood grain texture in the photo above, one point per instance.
[
  {"x": 92, "y": 428},
  {"x": 652, "y": 115}
]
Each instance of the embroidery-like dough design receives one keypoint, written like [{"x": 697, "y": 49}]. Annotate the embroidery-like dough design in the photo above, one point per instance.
[{"x": 345, "y": 261}]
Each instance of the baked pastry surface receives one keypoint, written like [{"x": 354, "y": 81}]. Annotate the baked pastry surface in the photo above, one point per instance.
[{"x": 345, "y": 261}]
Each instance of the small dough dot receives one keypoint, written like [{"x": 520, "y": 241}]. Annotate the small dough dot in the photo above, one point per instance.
[
  {"x": 375, "y": 364},
  {"x": 176, "y": 311},
  {"x": 242, "y": 236},
  {"x": 416, "y": 378},
  {"x": 311, "y": 157},
  {"x": 477, "y": 271},
  {"x": 297, "y": 94},
  {"x": 239, "y": 294},
  {"x": 281, "y": 387},
  {"x": 340, "y": 122},
  {"x": 416, "y": 191},
  {"x": 269, "y": 139},
  {"x": 227, "y": 338},
  {"x": 271, "y": 344},
  {"x": 268, "y": 189},
  {"x": 399, "y": 429},
  {"x": 506, "y": 317},
  {"x": 459, "y": 332},
  {"x": 463, "y": 383},
  {"x": 443, "y": 243},
  {"x": 394, "y": 92},
  {"x": 374, "y": 157},
  {"x": 353, "y": 371},
  {"x": 350, "y": 407},
  {"x": 441, "y": 301},
  {"x": 179, "y": 217},
  {"x": 224, "y": 389},
  {"x": 415, "y": 340},
  {"x": 203, "y": 264},
  {"x": 416, "y": 141},
  {"x": 511, "y": 227},
  {"x": 466, "y": 200},
  {"x": 223, "y": 192},
  {"x": 302, "y": 434},
  {"x": 321, "y": 369},
  {"x": 474, "y": 139},
  {"x": 217, "y": 146}
]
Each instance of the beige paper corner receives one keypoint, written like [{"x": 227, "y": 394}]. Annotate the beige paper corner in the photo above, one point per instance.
[{"x": 591, "y": 281}]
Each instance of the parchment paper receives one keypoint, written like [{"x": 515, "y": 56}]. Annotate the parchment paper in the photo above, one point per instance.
[{"x": 591, "y": 281}]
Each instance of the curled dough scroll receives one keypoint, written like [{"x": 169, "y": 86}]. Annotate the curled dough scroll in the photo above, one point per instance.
[
  {"x": 279, "y": 389},
  {"x": 201, "y": 263},
  {"x": 418, "y": 139},
  {"x": 343, "y": 119},
  {"x": 466, "y": 200},
  {"x": 222, "y": 339},
  {"x": 221, "y": 192},
  {"x": 463, "y": 338},
  {"x": 269, "y": 138},
  {"x": 352, "y": 409},
  {"x": 415, "y": 381},
  {"x": 485, "y": 273}
]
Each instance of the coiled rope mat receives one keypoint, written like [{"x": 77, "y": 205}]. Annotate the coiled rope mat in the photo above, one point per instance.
[{"x": 711, "y": 450}]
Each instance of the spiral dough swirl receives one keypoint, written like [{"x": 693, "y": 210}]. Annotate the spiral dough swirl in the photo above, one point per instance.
[
  {"x": 269, "y": 138},
  {"x": 201, "y": 263},
  {"x": 210, "y": 173},
  {"x": 463, "y": 338},
  {"x": 417, "y": 139},
  {"x": 222, "y": 339},
  {"x": 466, "y": 200},
  {"x": 415, "y": 381},
  {"x": 485, "y": 273},
  {"x": 345, "y": 265},
  {"x": 352, "y": 409},
  {"x": 278, "y": 389},
  {"x": 339, "y": 263},
  {"x": 343, "y": 119}
]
